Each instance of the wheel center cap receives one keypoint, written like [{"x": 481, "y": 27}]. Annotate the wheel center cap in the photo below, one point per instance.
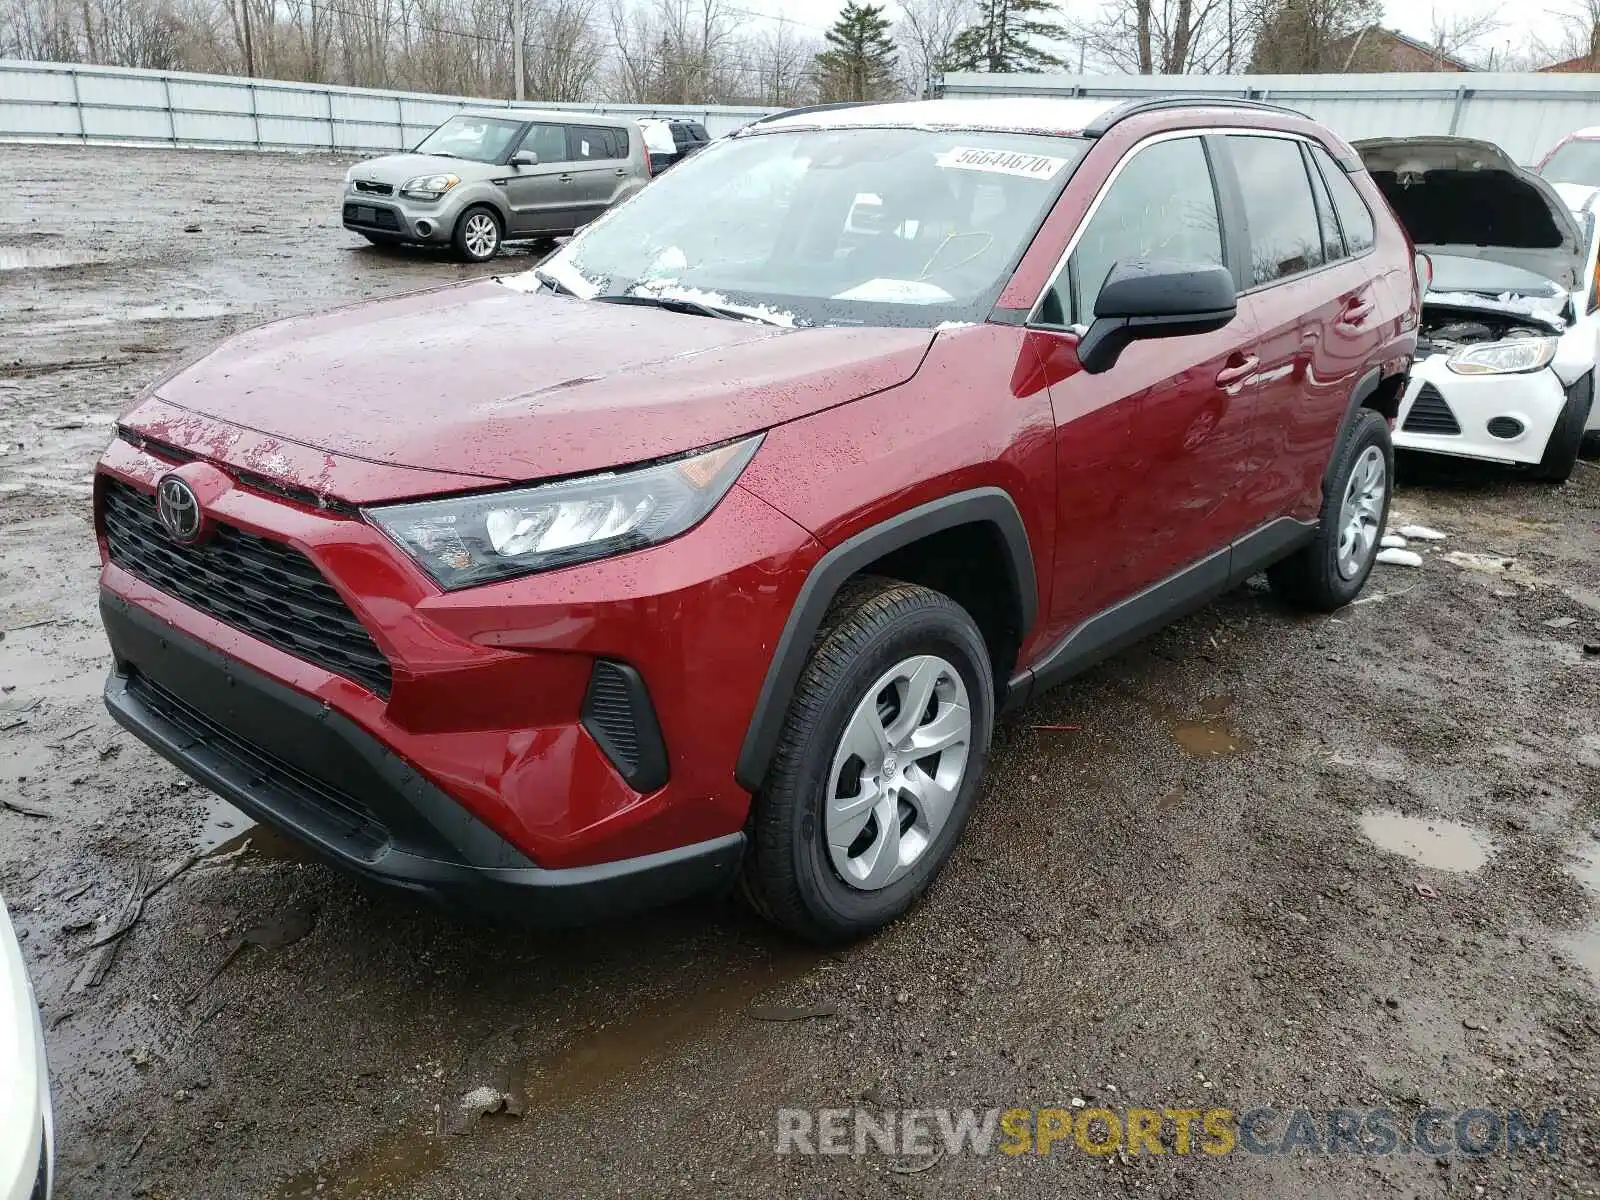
[{"x": 890, "y": 764}]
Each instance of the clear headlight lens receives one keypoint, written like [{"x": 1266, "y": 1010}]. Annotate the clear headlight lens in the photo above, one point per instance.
[
  {"x": 1503, "y": 358},
  {"x": 428, "y": 187},
  {"x": 470, "y": 540}
]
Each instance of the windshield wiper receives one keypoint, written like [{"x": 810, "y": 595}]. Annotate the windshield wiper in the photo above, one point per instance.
[
  {"x": 698, "y": 308},
  {"x": 550, "y": 281}
]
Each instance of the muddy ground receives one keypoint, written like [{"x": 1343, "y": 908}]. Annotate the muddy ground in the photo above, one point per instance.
[{"x": 1176, "y": 901}]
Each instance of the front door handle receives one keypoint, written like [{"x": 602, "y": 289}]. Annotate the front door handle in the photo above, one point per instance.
[
  {"x": 1238, "y": 372},
  {"x": 1357, "y": 310},
  {"x": 563, "y": 178}
]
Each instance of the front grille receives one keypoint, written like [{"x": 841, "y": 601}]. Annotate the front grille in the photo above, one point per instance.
[
  {"x": 269, "y": 590},
  {"x": 374, "y": 189},
  {"x": 377, "y": 218},
  {"x": 1430, "y": 414},
  {"x": 353, "y": 823}
]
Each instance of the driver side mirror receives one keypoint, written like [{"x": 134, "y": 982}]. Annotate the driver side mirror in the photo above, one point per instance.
[
  {"x": 524, "y": 158},
  {"x": 1155, "y": 299}
]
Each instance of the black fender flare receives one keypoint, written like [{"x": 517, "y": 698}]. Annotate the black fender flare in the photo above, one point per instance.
[
  {"x": 1365, "y": 389},
  {"x": 980, "y": 506}
]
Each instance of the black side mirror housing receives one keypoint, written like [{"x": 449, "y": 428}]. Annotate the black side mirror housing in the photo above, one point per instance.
[
  {"x": 524, "y": 158},
  {"x": 1151, "y": 298}
]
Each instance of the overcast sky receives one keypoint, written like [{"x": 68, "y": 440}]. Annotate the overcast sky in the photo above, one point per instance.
[{"x": 1413, "y": 17}]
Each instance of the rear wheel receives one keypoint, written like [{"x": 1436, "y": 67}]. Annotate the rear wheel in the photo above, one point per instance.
[
  {"x": 881, "y": 755},
  {"x": 1566, "y": 439},
  {"x": 477, "y": 235},
  {"x": 1331, "y": 571}
]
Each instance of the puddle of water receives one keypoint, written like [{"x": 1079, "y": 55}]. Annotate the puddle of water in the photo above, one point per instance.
[
  {"x": 228, "y": 833},
  {"x": 39, "y": 258},
  {"x": 1428, "y": 841},
  {"x": 605, "y": 1058},
  {"x": 1211, "y": 736},
  {"x": 1584, "y": 946}
]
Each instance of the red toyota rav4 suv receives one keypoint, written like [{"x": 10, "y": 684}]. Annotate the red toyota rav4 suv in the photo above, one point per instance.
[{"x": 708, "y": 550}]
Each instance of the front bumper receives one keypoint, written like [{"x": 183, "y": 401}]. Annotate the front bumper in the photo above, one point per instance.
[
  {"x": 479, "y": 769},
  {"x": 1497, "y": 418},
  {"x": 397, "y": 217},
  {"x": 306, "y": 769}
]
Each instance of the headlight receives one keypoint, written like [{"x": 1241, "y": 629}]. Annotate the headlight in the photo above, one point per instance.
[
  {"x": 475, "y": 539},
  {"x": 1503, "y": 358},
  {"x": 428, "y": 187}
]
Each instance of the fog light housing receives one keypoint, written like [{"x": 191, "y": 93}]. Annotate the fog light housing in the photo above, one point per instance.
[{"x": 1506, "y": 428}]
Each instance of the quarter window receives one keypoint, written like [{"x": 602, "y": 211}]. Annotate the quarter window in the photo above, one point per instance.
[
  {"x": 1163, "y": 205},
  {"x": 1354, "y": 215},
  {"x": 1285, "y": 239}
]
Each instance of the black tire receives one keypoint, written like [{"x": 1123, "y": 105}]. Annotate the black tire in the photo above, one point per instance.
[
  {"x": 788, "y": 874},
  {"x": 467, "y": 246},
  {"x": 1310, "y": 577},
  {"x": 1566, "y": 439}
]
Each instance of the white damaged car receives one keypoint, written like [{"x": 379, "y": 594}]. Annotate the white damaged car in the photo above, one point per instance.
[
  {"x": 26, "y": 1132},
  {"x": 1505, "y": 367}
]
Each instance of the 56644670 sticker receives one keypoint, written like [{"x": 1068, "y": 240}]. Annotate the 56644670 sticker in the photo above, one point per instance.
[{"x": 1001, "y": 162}]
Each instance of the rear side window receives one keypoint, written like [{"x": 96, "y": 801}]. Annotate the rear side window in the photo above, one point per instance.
[
  {"x": 1285, "y": 239},
  {"x": 586, "y": 143},
  {"x": 1163, "y": 205},
  {"x": 1354, "y": 215}
]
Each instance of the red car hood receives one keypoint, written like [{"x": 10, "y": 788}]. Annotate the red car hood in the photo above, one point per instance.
[{"x": 481, "y": 380}]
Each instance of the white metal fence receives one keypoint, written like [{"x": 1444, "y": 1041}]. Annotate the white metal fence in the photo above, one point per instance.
[
  {"x": 117, "y": 105},
  {"x": 1524, "y": 114}
]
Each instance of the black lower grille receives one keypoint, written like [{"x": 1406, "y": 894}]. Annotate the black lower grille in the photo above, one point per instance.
[
  {"x": 1430, "y": 414},
  {"x": 377, "y": 218},
  {"x": 351, "y": 822},
  {"x": 620, "y": 718},
  {"x": 269, "y": 590}
]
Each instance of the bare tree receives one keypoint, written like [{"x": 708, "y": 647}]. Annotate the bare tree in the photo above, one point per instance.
[
  {"x": 1168, "y": 37},
  {"x": 925, "y": 33},
  {"x": 778, "y": 66},
  {"x": 1453, "y": 34}
]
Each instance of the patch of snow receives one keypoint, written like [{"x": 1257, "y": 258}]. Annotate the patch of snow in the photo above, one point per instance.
[
  {"x": 1538, "y": 309},
  {"x": 897, "y": 291},
  {"x": 666, "y": 289},
  {"x": 1400, "y": 558},
  {"x": 1493, "y": 564},
  {"x": 1422, "y": 533},
  {"x": 1393, "y": 541},
  {"x": 944, "y": 325}
]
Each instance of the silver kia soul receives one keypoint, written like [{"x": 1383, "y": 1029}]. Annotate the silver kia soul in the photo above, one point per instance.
[{"x": 484, "y": 178}]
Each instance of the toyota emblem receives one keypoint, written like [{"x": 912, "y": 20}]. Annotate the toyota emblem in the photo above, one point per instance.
[{"x": 178, "y": 510}]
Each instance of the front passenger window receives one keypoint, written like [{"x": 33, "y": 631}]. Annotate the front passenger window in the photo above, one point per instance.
[
  {"x": 549, "y": 142},
  {"x": 1162, "y": 205}
]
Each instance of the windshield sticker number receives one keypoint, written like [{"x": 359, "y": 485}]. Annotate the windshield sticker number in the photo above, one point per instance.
[{"x": 1001, "y": 162}]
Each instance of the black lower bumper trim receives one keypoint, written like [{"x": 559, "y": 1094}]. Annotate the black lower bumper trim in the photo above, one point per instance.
[{"x": 304, "y": 768}]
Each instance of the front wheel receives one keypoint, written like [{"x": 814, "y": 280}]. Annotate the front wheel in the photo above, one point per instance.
[
  {"x": 1566, "y": 439},
  {"x": 1328, "y": 573},
  {"x": 875, "y": 773},
  {"x": 477, "y": 235}
]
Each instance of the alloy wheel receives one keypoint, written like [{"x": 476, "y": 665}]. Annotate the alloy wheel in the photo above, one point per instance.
[
  {"x": 897, "y": 772},
  {"x": 1362, "y": 511},
  {"x": 481, "y": 235}
]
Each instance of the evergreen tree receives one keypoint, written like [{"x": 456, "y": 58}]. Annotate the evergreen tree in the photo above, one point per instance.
[
  {"x": 859, "y": 65},
  {"x": 1002, "y": 40}
]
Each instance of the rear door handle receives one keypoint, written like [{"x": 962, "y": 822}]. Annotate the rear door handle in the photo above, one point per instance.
[
  {"x": 564, "y": 179},
  {"x": 1357, "y": 310},
  {"x": 1239, "y": 372},
  {"x": 621, "y": 174}
]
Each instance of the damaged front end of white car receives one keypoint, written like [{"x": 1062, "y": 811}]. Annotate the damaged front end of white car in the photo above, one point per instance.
[{"x": 1505, "y": 364}]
